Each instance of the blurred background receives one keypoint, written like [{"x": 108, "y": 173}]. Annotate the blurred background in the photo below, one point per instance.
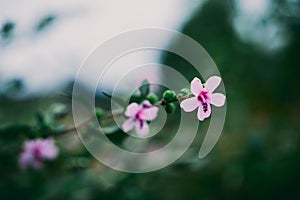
[{"x": 254, "y": 43}]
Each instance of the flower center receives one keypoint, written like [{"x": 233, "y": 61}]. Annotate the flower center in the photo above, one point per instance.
[
  {"x": 137, "y": 117},
  {"x": 204, "y": 107},
  {"x": 203, "y": 96},
  {"x": 37, "y": 152}
]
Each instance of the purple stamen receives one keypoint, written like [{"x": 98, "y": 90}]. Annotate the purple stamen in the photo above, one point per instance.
[
  {"x": 200, "y": 98},
  {"x": 141, "y": 123},
  {"x": 137, "y": 117},
  {"x": 205, "y": 109},
  {"x": 203, "y": 96},
  {"x": 37, "y": 152},
  {"x": 146, "y": 105}
]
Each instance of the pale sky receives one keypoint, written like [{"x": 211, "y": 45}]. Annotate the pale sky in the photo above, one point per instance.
[{"x": 48, "y": 59}]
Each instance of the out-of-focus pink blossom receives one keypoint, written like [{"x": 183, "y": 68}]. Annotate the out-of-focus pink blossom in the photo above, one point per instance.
[
  {"x": 35, "y": 151},
  {"x": 138, "y": 117},
  {"x": 204, "y": 96}
]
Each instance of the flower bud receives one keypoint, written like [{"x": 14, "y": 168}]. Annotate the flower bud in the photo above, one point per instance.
[
  {"x": 185, "y": 91},
  {"x": 153, "y": 98},
  {"x": 169, "y": 96},
  {"x": 99, "y": 113},
  {"x": 170, "y": 108}
]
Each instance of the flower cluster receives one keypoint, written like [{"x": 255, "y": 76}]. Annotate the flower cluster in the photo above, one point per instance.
[
  {"x": 142, "y": 109},
  {"x": 202, "y": 99},
  {"x": 35, "y": 151}
]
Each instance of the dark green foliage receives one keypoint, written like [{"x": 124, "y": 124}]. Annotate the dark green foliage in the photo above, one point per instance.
[
  {"x": 169, "y": 96},
  {"x": 99, "y": 113},
  {"x": 16, "y": 131},
  {"x": 152, "y": 98},
  {"x": 170, "y": 108},
  {"x": 135, "y": 98},
  {"x": 257, "y": 156},
  {"x": 45, "y": 22},
  {"x": 7, "y": 29}
]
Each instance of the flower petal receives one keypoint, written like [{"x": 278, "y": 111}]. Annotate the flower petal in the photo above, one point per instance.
[
  {"x": 190, "y": 104},
  {"x": 149, "y": 114},
  {"x": 196, "y": 86},
  {"x": 132, "y": 109},
  {"x": 48, "y": 150},
  {"x": 128, "y": 125},
  {"x": 146, "y": 104},
  {"x": 142, "y": 130},
  {"x": 25, "y": 159},
  {"x": 212, "y": 83},
  {"x": 217, "y": 99},
  {"x": 37, "y": 164},
  {"x": 201, "y": 114}
]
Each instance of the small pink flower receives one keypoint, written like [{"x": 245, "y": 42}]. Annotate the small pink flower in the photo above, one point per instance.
[
  {"x": 204, "y": 96},
  {"x": 138, "y": 117},
  {"x": 35, "y": 151}
]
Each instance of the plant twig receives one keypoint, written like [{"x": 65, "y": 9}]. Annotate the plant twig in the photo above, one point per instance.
[{"x": 119, "y": 111}]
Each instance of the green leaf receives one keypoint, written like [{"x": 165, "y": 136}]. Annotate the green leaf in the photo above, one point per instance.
[
  {"x": 107, "y": 95},
  {"x": 40, "y": 119},
  {"x": 7, "y": 29},
  {"x": 144, "y": 88},
  {"x": 135, "y": 98},
  {"x": 45, "y": 22}
]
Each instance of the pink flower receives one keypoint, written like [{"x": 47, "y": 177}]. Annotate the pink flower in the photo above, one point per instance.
[
  {"x": 204, "y": 96},
  {"x": 138, "y": 117},
  {"x": 35, "y": 151}
]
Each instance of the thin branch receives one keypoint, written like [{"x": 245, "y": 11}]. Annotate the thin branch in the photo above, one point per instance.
[{"x": 117, "y": 112}]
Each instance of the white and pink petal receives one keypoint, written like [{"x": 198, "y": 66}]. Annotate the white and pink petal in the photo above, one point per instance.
[
  {"x": 142, "y": 129},
  {"x": 146, "y": 104},
  {"x": 149, "y": 113},
  {"x": 217, "y": 99},
  {"x": 132, "y": 109},
  {"x": 48, "y": 150},
  {"x": 204, "y": 113},
  {"x": 196, "y": 86},
  {"x": 212, "y": 83},
  {"x": 190, "y": 104},
  {"x": 128, "y": 125}
]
